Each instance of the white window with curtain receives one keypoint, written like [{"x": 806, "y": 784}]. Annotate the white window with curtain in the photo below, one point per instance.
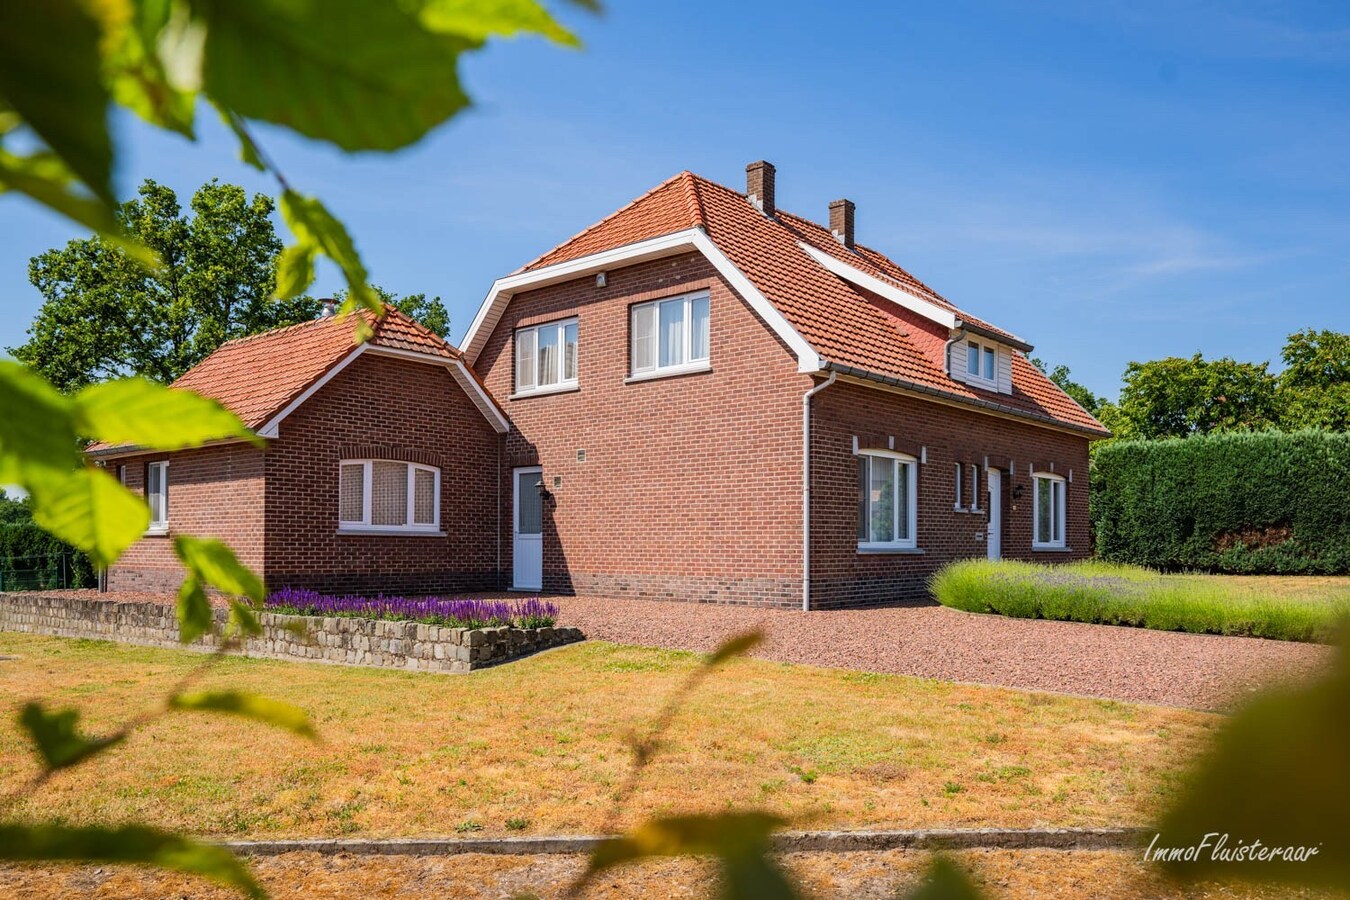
[
  {"x": 157, "y": 495},
  {"x": 546, "y": 358},
  {"x": 386, "y": 495},
  {"x": 1048, "y": 527},
  {"x": 670, "y": 336},
  {"x": 887, "y": 501}
]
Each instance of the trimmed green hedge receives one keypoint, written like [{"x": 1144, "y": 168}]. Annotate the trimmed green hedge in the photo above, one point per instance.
[
  {"x": 31, "y": 559},
  {"x": 1108, "y": 594},
  {"x": 1246, "y": 503}
]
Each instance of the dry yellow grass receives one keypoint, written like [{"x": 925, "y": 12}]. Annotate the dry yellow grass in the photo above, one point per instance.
[
  {"x": 1050, "y": 874},
  {"x": 542, "y": 741}
]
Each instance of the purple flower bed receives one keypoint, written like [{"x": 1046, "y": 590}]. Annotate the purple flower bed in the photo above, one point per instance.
[{"x": 456, "y": 612}]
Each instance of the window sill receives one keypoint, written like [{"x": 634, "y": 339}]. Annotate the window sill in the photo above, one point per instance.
[
  {"x": 1046, "y": 548},
  {"x": 392, "y": 532},
  {"x": 544, "y": 392},
  {"x": 671, "y": 372},
  {"x": 156, "y": 531},
  {"x": 875, "y": 549}
]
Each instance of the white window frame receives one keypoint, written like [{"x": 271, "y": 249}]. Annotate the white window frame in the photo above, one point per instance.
[
  {"x": 960, "y": 486},
  {"x": 656, "y": 370},
  {"x": 1059, "y": 500},
  {"x": 912, "y": 476},
  {"x": 982, "y": 353},
  {"x": 975, "y": 487},
  {"x": 352, "y": 526},
  {"x": 158, "y": 526},
  {"x": 562, "y": 383}
]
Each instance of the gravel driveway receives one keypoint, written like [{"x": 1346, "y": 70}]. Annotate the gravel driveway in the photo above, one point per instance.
[
  {"x": 1168, "y": 668},
  {"x": 931, "y": 641}
]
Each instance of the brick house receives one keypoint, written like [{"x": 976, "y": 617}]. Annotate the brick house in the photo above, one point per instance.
[
  {"x": 701, "y": 397},
  {"x": 378, "y": 471}
]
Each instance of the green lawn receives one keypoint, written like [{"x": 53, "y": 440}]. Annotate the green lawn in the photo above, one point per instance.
[
  {"x": 1286, "y": 608},
  {"x": 542, "y": 744}
]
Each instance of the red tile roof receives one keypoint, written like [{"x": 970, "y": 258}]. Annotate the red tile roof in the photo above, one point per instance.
[
  {"x": 255, "y": 377},
  {"x": 846, "y": 324}
]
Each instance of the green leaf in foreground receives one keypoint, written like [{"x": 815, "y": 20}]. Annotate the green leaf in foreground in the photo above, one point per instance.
[
  {"x": 318, "y": 231},
  {"x": 211, "y": 562},
  {"x": 944, "y": 881},
  {"x": 480, "y": 19},
  {"x": 250, "y": 706},
  {"x": 36, "y": 427},
  {"x": 740, "y": 841},
  {"x": 1279, "y": 774},
  {"x": 360, "y": 75},
  {"x": 194, "y": 610},
  {"x": 128, "y": 844},
  {"x": 57, "y": 738},
  {"x": 88, "y": 508},
  {"x": 736, "y": 645},
  {"x": 50, "y": 74},
  {"x": 139, "y": 411}
]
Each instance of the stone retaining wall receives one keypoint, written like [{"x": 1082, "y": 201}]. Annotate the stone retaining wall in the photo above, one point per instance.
[{"x": 357, "y": 642}]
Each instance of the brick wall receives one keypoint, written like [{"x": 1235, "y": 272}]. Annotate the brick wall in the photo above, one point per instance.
[
  {"x": 213, "y": 492},
  {"x": 390, "y": 408},
  {"x": 841, "y": 575},
  {"x": 691, "y": 486}
]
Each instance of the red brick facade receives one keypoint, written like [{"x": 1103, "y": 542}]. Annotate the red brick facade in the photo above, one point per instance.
[
  {"x": 941, "y": 436},
  {"x": 691, "y": 484},
  {"x": 213, "y": 492},
  {"x": 378, "y": 407}
]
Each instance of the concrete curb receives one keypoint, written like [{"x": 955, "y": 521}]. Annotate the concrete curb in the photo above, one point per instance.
[{"x": 785, "y": 842}]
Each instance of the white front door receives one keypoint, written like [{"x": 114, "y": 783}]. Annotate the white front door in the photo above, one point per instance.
[
  {"x": 527, "y": 531},
  {"x": 995, "y": 529}
]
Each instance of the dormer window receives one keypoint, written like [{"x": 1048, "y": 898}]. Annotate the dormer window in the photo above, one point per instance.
[{"x": 981, "y": 360}]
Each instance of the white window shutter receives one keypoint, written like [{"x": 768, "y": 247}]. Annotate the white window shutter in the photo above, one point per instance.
[
  {"x": 1003, "y": 370},
  {"x": 958, "y": 361},
  {"x": 644, "y": 338}
]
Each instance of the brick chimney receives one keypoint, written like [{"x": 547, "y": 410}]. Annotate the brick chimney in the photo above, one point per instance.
[
  {"x": 841, "y": 222},
  {"x": 759, "y": 186}
]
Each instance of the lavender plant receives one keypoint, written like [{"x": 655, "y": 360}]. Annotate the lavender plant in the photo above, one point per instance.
[{"x": 455, "y": 612}]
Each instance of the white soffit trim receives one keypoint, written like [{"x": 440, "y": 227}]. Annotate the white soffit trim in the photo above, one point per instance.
[
  {"x": 270, "y": 430},
  {"x": 882, "y": 288},
  {"x": 490, "y": 313},
  {"x": 807, "y": 358}
]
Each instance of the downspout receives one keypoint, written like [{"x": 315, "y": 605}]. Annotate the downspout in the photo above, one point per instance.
[
  {"x": 806, "y": 486},
  {"x": 947, "y": 349},
  {"x": 501, "y": 451}
]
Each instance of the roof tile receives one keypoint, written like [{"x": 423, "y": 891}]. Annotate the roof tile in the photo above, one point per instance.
[{"x": 844, "y": 323}]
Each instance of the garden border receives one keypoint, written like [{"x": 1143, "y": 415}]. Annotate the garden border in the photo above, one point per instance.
[
  {"x": 784, "y": 842},
  {"x": 392, "y": 644}
]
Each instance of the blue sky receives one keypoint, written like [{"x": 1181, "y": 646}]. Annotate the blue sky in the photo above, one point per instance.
[{"x": 1112, "y": 181}]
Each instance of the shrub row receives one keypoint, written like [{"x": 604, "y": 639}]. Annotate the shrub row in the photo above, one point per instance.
[
  {"x": 1109, "y": 594},
  {"x": 31, "y": 559},
  {"x": 1246, "y": 503},
  {"x": 456, "y": 612}
]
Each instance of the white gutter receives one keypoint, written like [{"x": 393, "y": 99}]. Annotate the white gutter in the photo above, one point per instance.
[{"x": 806, "y": 487}]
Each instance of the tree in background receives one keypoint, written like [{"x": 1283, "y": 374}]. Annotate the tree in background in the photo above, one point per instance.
[
  {"x": 1314, "y": 388},
  {"x": 105, "y": 315},
  {"x": 1081, "y": 393},
  {"x": 431, "y": 313},
  {"x": 1178, "y": 397}
]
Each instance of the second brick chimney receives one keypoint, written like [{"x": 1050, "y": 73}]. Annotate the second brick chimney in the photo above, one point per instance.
[
  {"x": 841, "y": 222},
  {"x": 759, "y": 185}
]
